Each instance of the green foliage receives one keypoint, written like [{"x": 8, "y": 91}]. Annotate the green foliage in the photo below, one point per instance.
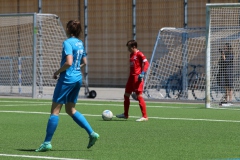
[{"x": 174, "y": 131}]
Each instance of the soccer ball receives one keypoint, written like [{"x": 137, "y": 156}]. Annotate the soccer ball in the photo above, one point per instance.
[{"x": 107, "y": 115}]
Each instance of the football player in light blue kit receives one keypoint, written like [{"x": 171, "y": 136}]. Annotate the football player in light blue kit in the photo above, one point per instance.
[{"x": 68, "y": 86}]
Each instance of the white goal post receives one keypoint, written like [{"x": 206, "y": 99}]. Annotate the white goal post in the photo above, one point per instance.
[
  {"x": 177, "y": 66},
  {"x": 222, "y": 55},
  {"x": 30, "y": 47}
]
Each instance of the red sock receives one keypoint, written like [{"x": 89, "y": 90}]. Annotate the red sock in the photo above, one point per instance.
[
  {"x": 143, "y": 107},
  {"x": 126, "y": 105}
]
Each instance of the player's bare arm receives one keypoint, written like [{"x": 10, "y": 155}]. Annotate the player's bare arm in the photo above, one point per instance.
[
  {"x": 84, "y": 62},
  {"x": 67, "y": 64}
]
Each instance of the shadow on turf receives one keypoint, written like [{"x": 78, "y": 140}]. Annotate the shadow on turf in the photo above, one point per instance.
[
  {"x": 123, "y": 120},
  {"x": 26, "y": 150},
  {"x": 33, "y": 150}
]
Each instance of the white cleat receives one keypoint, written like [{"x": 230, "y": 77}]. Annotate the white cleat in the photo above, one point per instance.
[
  {"x": 227, "y": 104},
  {"x": 142, "y": 119}
]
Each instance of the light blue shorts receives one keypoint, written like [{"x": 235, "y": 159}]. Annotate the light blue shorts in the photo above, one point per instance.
[{"x": 64, "y": 93}]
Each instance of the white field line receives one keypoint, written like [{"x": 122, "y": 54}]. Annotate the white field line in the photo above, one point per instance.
[
  {"x": 87, "y": 104},
  {"x": 37, "y": 157},
  {"x": 18, "y": 103},
  {"x": 161, "y": 118}
]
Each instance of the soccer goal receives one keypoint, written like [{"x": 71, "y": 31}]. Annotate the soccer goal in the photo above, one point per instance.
[
  {"x": 177, "y": 66},
  {"x": 222, "y": 55},
  {"x": 30, "y": 47}
]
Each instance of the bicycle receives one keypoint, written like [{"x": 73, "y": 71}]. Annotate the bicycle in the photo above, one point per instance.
[
  {"x": 196, "y": 83},
  {"x": 217, "y": 92}
]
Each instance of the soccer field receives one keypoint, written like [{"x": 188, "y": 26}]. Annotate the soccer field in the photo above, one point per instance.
[{"x": 173, "y": 132}]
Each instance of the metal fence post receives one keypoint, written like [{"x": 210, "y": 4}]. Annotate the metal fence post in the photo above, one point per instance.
[{"x": 134, "y": 19}]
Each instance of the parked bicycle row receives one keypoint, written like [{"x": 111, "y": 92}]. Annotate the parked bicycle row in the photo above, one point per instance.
[{"x": 174, "y": 87}]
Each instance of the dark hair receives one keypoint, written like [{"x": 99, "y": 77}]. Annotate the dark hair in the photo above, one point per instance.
[
  {"x": 132, "y": 43},
  {"x": 74, "y": 28},
  {"x": 220, "y": 50},
  {"x": 228, "y": 45}
]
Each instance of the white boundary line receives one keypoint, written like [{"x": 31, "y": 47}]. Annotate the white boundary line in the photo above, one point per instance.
[
  {"x": 99, "y": 104},
  {"x": 79, "y": 103},
  {"x": 84, "y": 102},
  {"x": 37, "y": 157},
  {"x": 162, "y": 118}
]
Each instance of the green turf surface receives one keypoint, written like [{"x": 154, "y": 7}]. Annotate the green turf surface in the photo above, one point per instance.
[{"x": 174, "y": 131}]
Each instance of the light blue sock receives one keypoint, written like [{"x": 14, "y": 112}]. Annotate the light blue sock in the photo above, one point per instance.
[
  {"x": 82, "y": 122},
  {"x": 51, "y": 127}
]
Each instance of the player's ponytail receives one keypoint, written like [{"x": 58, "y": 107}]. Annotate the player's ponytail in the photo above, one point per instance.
[{"x": 74, "y": 28}]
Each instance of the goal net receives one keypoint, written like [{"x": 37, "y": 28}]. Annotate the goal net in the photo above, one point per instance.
[
  {"x": 30, "y": 47},
  {"x": 222, "y": 55},
  {"x": 177, "y": 66}
]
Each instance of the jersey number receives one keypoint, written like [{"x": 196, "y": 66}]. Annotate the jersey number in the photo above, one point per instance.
[{"x": 78, "y": 58}]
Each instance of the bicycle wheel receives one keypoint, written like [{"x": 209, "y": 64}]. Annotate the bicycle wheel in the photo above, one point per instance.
[
  {"x": 173, "y": 88},
  {"x": 159, "y": 91},
  {"x": 198, "y": 88},
  {"x": 217, "y": 93}
]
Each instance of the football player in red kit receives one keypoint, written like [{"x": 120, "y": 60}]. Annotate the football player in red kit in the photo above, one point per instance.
[{"x": 138, "y": 67}]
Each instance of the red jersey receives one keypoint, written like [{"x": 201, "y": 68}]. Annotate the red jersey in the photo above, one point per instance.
[{"x": 136, "y": 62}]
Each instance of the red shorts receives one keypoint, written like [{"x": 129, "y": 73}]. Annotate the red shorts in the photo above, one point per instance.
[{"x": 134, "y": 85}]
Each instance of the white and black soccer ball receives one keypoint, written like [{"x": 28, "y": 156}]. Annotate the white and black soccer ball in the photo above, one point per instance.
[{"x": 107, "y": 115}]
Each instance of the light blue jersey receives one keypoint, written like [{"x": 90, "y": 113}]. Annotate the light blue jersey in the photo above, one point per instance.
[
  {"x": 72, "y": 46},
  {"x": 70, "y": 81}
]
